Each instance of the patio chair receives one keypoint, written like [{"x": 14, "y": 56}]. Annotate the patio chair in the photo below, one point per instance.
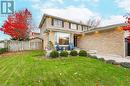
[
  {"x": 62, "y": 48},
  {"x": 57, "y": 47}
]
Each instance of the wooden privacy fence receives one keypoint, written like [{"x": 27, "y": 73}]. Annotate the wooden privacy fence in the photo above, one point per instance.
[{"x": 33, "y": 44}]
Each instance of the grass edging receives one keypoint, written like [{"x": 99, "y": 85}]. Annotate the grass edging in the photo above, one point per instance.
[{"x": 113, "y": 62}]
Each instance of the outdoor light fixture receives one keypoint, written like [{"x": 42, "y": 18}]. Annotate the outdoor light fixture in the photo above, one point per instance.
[
  {"x": 119, "y": 28},
  {"x": 96, "y": 32}
]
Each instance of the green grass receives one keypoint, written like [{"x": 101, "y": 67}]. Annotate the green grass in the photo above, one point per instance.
[{"x": 29, "y": 69}]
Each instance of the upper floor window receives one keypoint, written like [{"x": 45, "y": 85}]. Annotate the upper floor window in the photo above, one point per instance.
[
  {"x": 73, "y": 26},
  {"x": 57, "y": 23},
  {"x": 79, "y": 27},
  {"x": 85, "y": 28}
]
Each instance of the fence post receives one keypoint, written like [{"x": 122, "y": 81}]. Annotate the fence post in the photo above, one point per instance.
[
  {"x": 29, "y": 45},
  {"x": 22, "y": 45}
]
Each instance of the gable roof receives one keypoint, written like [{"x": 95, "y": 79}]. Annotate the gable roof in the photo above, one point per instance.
[
  {"x": 95, "y": 29},
  {"x": 60, "y": 18}
]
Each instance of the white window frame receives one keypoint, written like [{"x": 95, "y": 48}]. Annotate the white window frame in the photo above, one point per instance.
[
  {"x": 57, "y": 37},
  {"x": 73, "y": 26},
  {"x": 57, "y": 23}
]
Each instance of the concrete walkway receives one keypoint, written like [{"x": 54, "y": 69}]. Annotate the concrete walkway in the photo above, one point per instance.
[{"x": 113, "y": 57}]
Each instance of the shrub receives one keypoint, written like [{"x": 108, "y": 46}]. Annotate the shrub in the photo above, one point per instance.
[
  {"x": 50, "y": 45},
  {"x": 82, "y": 53},
  {"x": 73, "y": 53},
  {"x": 111, "y": 61},
  {"x": 125, "y": 64},
  {"x": 64, "y": 54},
  {"x": 2, "y": 50},
  {"x": 54, "y": 54},
  {"x": 101, "y": 59}
]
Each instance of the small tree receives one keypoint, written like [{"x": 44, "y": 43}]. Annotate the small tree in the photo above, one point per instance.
[
  {"x": 50, "y": 45},
  {"x": 18, "y": 25},
  {"x": 127, "y": 27},
  {"x": 93, "y": 22}
]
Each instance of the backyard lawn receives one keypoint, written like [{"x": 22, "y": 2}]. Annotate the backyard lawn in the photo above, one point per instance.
[{"x": 30, "y": 69}]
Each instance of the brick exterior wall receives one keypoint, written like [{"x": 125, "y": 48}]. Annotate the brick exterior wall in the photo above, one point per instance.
[
  {"x": 104, "y": 42},
  {"x": 46, "y": 39},
  {"x": 52, "y": 37}
]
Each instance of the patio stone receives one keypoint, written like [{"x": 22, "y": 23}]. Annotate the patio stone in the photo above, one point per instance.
[{"x": 117, "y": 58}]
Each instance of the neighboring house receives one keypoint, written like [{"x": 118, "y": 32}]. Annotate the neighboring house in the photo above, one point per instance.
[
  {"x": 34, "y": 43},
  {"x": 103, "y": 40},
  {"x": 2, "y": 43},
  {"x": 34, "y": 35}
]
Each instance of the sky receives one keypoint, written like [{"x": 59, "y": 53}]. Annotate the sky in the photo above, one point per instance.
[{"x": 109, "y": 12}]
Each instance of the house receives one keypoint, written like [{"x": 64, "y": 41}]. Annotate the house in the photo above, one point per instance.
[
  {"x": 104, "y": 40},
  {"x": 33, "y": 43},
  {"x": 3, "y": 43},
  {"x": 34, "y": 35}
]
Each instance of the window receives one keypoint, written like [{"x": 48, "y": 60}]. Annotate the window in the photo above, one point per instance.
[
  {"x": 62, "y": 38},
  {"x": 73, "y": 26},
  {"x": 82, "y": 27},
  {"x": 79, "y": 27},
  {"x": 85, "y": 28},
  {"x": 57, "y": 23}
]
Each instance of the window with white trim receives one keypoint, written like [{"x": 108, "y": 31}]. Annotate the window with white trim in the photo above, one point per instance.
[
  {"x": 62, "y": 38},
  {"x": 58, "y": 23},
  {"x": 73, "y": 26}
]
